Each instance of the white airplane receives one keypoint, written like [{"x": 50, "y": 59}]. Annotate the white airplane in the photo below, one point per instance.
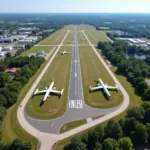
[
  {"x": 49, "y": 90},
  {"x": 105, "y": 87},
  {"x": 64, "y": 52}
]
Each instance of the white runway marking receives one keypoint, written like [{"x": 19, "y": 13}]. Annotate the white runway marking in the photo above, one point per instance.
[
  {"x": 75, "y": 74},
  {"x": 52, "y": 124}
]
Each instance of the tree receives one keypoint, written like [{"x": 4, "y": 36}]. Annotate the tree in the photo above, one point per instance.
[
  {"x": 125, "y": 143},
  {"x": 147, "y": 116},
  {"x": 146, "y": 105},
  {"x": 3, "y": 100},
  {"x": 129, "y": 125},
  {"x": 113, "y": 130},
  {"x": 4, "y": 79},
  {"x": 76, "y": 144},
  {"x": 98, "y": 146},
  {"x": 2, "y": 112},
  {"x": 141, "y": 87},
  {"x": 146, "y": 95},
  {"x": 93, "y": 137},
  {"x": 8, "y": 55},
  {"x": 84, "y": 138},
  {"x": 16, "y": 144},
  {"x": 2, "y": 67},
  {"x": 137, "y": 112},
  {"x": 100, "y": 130},
  {"x": 110, "y": 144},
  {"x": 139, "y": 136}
]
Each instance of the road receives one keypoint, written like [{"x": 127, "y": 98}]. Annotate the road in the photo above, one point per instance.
[{"x": 47, "y": 140}]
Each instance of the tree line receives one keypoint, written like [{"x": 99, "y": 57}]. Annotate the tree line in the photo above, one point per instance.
[
  {"x": 134, "y": 69},
  {"x": 125, "y": 134},
  {"x": 10, "y": 88}
]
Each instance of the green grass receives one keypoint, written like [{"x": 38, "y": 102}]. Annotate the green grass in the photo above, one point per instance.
[
  {"x": 49, "y": 30},
  {"x": 82, "y": 39},
  {"x": 85, "y": 27},
  {"x": 95, "y": 36},
  {"x": 69, "y": 39},
  {"x": 92, "y": 68},
  {"x": 54, "y": 105},
  {"x": 36, "y": 49},
  {"x": 72, "y": 125},
  {"x": 97, "y": 117},
  {"x": 55, "y": 38}
]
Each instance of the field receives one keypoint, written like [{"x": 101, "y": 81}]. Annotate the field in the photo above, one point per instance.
[
  {"x": 96, "y": 36},
  {"x": 81, "y": 38},
  {"x": 54, "y": 105},
  {"x": 49, "y": 30},
  {"x": 92, "y": 69},
  {"x": 69, "y": 39},
  {"x": 72, "y": 125},
  {"x": 36, "y": 49},
  {"x": 55, "y": 38},
  {"x": 85, "y": 27}
]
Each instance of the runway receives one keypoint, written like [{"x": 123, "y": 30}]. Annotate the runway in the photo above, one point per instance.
[{"x": 76, "y": 108}]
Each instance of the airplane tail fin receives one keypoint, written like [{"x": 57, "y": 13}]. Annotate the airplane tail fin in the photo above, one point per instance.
[
  {"x": 62, "y": 91},
  {"x": 90, "y": 89},
  {"x": 36, "y": 91}
]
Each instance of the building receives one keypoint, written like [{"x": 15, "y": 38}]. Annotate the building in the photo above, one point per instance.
[
  {"x": 6, "y": 40},
  {"x": 25, "y": 42},
  {"x": 8, "y": 48},
  {"x": 18, "y": 46},
  {"x": 41, "y": 53},
  {"x": 12, "y": 71},
  {"x": 2, "y": 55}
]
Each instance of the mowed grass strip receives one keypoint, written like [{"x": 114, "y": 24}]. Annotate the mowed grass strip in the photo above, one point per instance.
[
  {"x": 55, "y": 38},
  {"x": 92, "y": 69},
  {"x": 71, "y": 125},
  {"x": 85, "y": 27},
  {"x": 36, "y": 49},
  {"x": 54, "y": 106},
  {"x": 82, "y": 39},
  {"x": 69, "y": 40}
]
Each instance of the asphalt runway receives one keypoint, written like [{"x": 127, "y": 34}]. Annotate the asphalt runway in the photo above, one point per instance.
[{"x": 76, "y": 109}]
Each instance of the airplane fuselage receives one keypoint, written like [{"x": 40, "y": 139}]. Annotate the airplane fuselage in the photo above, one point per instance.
[
  {"x": 104, "y": 88},
  {"x": 48, "y": 91}
]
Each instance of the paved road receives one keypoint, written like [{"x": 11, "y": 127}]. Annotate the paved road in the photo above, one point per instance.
[
  {"x": 76, "y": 109},
  {"x": 48, "y": 140}
]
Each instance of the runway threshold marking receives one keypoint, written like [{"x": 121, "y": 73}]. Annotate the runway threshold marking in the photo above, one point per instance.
[{"x": 76, "y": 104}]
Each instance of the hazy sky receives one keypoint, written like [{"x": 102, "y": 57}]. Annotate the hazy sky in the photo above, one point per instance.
[{"x": 75, "y": 6}]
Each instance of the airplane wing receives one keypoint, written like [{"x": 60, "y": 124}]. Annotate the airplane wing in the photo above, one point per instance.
[
  {"x": 111, "y": 87},
  {"x": 95, "y": 88},
  {"x": 40, "y": 92},
  {"x": 57, "y": 92}
]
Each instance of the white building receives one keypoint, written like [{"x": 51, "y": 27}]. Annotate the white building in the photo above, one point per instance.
[{"x": 8, "y": 48}]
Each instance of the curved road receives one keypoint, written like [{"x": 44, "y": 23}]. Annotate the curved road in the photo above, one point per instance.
[{"x": 47, "y": 140}]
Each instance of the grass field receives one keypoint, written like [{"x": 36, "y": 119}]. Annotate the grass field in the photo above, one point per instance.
[
  {"x": 96, "y": 36},
  {"x": 92, "y": 69},
  {"x": 69, "y": 39},
  {"x": 49, "y": 30},
  {"x": 69, "y": 27},
  {"x": 55, "y": 38},
  {"x": 72, "y": 125},
  {"x": 54, "y": 105},
  {"x": 82, "y": 39},
  {"x": 36, "y": 49},
  {"x": 85, "y": 27}
]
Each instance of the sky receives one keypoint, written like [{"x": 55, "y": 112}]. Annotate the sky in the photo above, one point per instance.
[{"x": 75, "y": 6}]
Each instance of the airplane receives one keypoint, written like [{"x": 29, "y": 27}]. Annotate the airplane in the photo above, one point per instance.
[
  {"x": 64, "y": 52},
  {"x": 49, "y": 90},
  {"x": 103, "y": 86}
]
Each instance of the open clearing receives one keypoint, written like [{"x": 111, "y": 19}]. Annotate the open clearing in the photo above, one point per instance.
[
  {"x": 96, "y": 36},
  {"x": 69, "y": 39},
  {"x": 85, "y": 27},
  {"x": 54, "y": 105},
  {"x": 55, "y": 38},
  {"x": 36, "y": 49},
  {"x": 71, "y": 125},
  {"x": 82, "y": 39},
  {"x": 92, "y": 69}
]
